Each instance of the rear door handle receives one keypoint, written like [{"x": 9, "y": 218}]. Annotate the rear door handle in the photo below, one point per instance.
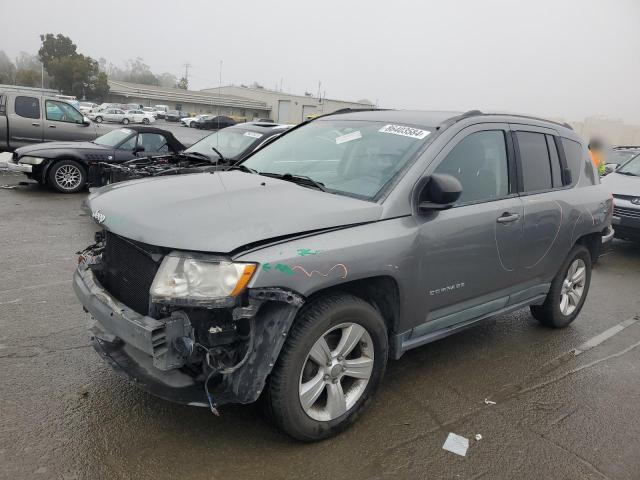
[
  {"x": 52, "y": 126},
  {"x": 507, "y": 217}
]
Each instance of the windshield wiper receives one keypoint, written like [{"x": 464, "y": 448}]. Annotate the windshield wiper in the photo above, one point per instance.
[
  {"x": 298, "y": 179},
  {"x": 242, "y": 168},
  {"x": 196, "y": 154},
  {"x": 631, "y": 174},
  {"x": 222, "y": 159}
]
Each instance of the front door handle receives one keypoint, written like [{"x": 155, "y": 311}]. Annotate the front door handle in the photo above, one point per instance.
[
  {"x": 35, "y": 124},
  {"x": 52, "y": 126},
  {"x": 508, "y": 217}
]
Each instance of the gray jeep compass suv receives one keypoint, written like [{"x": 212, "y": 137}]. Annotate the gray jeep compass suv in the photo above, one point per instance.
[{"x": 351, "y": 239}]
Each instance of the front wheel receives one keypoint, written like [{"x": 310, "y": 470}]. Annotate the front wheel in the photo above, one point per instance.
[
  {"x": 145, "y": 121},
  {"x": 568, "y": 291},
  {"x": 192, "y": 125},
  {"x": 329, "y": 368},
  {"x": 125, "y": 121},
  {"x": 99, "y": 119},
  {"x": 67, "y": 176}
]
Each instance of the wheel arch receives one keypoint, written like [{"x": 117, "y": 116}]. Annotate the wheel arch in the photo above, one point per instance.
[
  {"x": 383, "y": 292},
  {"x": 592, "y": 242}
]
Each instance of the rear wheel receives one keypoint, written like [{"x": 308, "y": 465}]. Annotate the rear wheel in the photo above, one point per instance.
[
  {"x": 568, "y": 290},
  {"x": 145, "y": 121},
  {"x": 99, "y": 119},
  {"x": 329, "y": 368},
  {"x": 67, "y": 176},
  {"x": 192, "y": 125}
]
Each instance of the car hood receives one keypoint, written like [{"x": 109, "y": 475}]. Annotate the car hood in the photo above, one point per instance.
[
  {"x": 622, "y": 184},
  {"x": 41, "y": 149},
  {"x": 222, "y": 211}
]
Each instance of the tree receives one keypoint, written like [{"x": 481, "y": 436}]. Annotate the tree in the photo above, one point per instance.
[
  {"x": 139, "y": 72},
  {"x": 28, "y": 78},
  {"x": 7, "y": 69},
  {"x": 183, "y": 83},
  {"x": 167, "y": 79},
  {"x": 72, "y": 72}
]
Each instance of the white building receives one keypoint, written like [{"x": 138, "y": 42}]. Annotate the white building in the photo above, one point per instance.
[{"x": 286, "y": 107}]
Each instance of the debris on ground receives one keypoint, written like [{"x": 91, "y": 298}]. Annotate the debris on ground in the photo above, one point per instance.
[
  {"x": 456, "y": 444},
  {"x": 478, "y": 437},
  {"x": 489, "y": 402}
]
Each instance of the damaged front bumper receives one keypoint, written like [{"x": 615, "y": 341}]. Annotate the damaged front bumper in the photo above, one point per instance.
[{"x": 144, "y": 348}]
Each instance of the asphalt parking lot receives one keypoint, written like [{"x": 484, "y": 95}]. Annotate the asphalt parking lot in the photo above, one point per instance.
[{"x": 543, "y": 411}]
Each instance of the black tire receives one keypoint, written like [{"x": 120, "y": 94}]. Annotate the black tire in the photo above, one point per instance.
[
  {"x": 192, "y": 125},
  {"x": 550, "y": 313},
  {"x": 98, "y": 119},
  {"x": 74, "y": 168},
  {"x": 125, "y": 121},
  {"x": 317, "y": 317},
  {"x": 145, "y": 121}
]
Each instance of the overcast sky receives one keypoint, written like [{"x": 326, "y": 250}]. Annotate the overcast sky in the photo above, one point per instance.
[{"x": 559, "y": 58}]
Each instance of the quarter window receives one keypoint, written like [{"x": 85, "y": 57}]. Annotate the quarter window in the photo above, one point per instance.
[
  {"x": 573, "y": 154},
  {"x": 534, "y": 156},
  {"x": 479, "y": 162},
  {"x": 27, "y": 107}
]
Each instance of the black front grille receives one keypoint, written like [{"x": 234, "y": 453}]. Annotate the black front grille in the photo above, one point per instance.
[
  {"x": 626, "y": 212},
  {"x": 128, "y": 271}
]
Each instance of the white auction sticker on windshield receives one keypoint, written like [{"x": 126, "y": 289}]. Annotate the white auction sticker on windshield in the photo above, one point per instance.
[
  {"x": 349, "y": 137},
  {"x": 252, "y": 134},
  {"x": 405, "y": 131}
]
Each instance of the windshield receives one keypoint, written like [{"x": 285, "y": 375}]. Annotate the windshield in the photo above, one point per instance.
[
  {"x": 114, "y": 137},
  {"x": 631, "y": 168},
  {"x": 619, "y": 157},
  {"x": 231, "y": 143},
  {"x": 356, "y": 158}
]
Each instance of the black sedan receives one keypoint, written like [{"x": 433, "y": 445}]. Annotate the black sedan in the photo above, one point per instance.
[
  {"x": 70, "y": 166},
  {"x": 214, "y": 123},
  {"x": 175, "y": 115},
  {"x": 220, "y": 150}
]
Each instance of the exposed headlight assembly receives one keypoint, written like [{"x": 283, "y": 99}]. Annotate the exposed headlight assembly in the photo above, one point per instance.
[
  {"x": 31, "y": 160},
  {"x": 199, "y": 280}
]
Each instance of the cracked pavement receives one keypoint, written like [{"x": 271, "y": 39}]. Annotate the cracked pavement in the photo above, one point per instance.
[{"x": 557, "y": 415}]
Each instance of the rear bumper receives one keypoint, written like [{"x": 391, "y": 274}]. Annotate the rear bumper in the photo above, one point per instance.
[{"x": 607, "y": 237}]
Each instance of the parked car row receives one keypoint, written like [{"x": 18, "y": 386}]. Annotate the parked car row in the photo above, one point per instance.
[{"x": 117, "y": 115}]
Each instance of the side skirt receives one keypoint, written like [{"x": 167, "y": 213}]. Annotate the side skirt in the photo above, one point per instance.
[{"x": 404, "y": 341}]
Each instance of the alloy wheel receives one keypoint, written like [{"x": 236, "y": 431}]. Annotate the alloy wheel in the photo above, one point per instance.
[
  {"x": 68, "y": 177},
  {"x": 336, "y": 371},
  {"x": 573, "y": 287}
]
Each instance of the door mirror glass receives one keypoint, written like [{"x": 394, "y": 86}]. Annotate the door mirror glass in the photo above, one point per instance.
[
  {"x": 86, "y": 121},
  {"x": 440, "y": 192}
]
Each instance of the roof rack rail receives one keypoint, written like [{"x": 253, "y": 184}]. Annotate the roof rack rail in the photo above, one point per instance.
[{"x": 450, "y": 121}]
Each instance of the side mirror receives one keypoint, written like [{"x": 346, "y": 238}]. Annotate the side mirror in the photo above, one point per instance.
[
  {"x": 610, "y": 168},
  {"x": 85, "y": 121},
  {"x": 439, "y": 192},
  {"x": 138, "y": 149}
]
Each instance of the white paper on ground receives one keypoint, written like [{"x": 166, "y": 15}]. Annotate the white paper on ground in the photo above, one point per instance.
[{"x": 456, "y": 444}]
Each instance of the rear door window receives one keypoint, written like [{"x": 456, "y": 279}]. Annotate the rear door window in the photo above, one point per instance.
[
  {"x": 534, "y": 159},
  {"x": 27, "y": 107}
]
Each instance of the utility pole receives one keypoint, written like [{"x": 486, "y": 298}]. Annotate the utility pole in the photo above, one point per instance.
[{"x": 186, "y": 66}]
